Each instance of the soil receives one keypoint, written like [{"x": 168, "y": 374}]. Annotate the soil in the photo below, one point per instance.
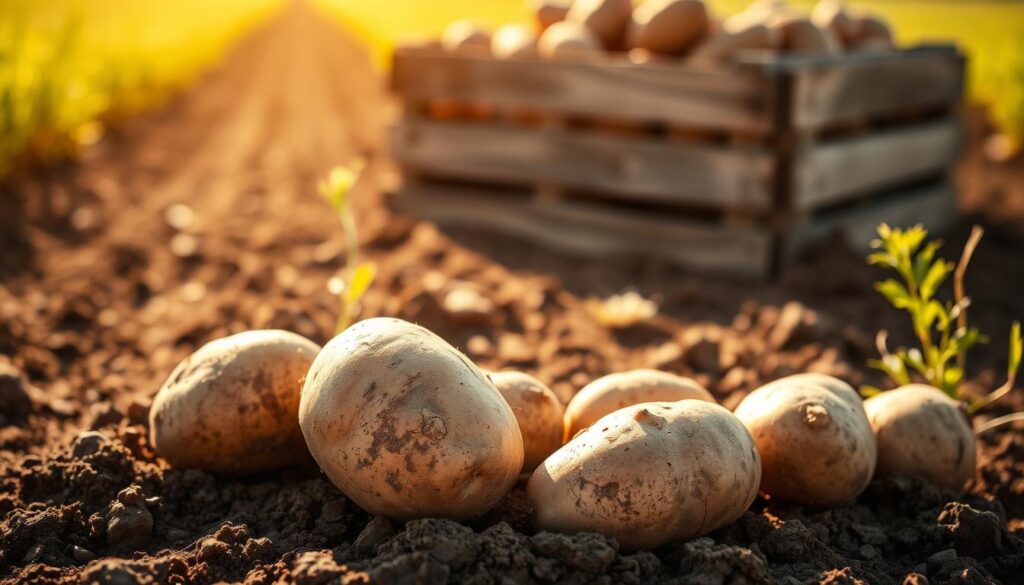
[{"x": 202, "y": 220}]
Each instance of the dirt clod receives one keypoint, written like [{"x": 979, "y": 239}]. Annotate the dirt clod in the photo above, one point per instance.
[{"x": 129, "y": 522}]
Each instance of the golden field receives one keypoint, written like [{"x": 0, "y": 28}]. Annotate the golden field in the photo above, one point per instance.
[{"x": 64, "y": 64}]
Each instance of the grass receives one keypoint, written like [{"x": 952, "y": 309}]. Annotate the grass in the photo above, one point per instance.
[
  {"x": 991, "y": 32},
  {"x": 67, "y": 65}
]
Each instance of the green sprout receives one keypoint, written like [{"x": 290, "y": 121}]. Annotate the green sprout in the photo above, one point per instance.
[
  {"x": 356, "y": 276},
  {"x": 941, "y": 328}
]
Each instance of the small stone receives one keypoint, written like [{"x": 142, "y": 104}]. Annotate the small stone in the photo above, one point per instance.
[
  {"x": 376, "y": 532},
  {"x": 466, "y": 305},
  {"x": 129, "y": 523},
  {"x": 82, "y": 555},
  {"x": 868, "y": 552},
  {"x": 87, "y": 443},
  {"x": 33, "y": 553}
]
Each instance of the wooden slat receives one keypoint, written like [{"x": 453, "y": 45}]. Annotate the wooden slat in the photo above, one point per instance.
[
  {"x": 868, "y": 86},
  {"x": 934, "y": 206},
  {"x": 595, "y": 231},
  {"x": 830, "y": 172},
  {"x": 725, "y": 99},
  {"x": 623, "y": 167}
]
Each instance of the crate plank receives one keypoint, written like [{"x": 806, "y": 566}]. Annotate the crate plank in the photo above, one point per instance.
[
  {"x": 595, "y": 231},
  {"x": 731, "y": 98},
  {"x": 647, "y": 169},
  {"x": 830, "y": 172},
  {"x": 933, "y": 205},
  {"x": 861, "y": 87}
]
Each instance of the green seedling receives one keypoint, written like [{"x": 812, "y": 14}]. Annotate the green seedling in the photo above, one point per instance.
[
  {"x": 941, "y": 328},
  {"x": 356, "y": 277}
]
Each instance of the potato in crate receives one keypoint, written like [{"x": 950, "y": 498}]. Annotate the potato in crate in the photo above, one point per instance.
[{"x": 727, "y": 154}]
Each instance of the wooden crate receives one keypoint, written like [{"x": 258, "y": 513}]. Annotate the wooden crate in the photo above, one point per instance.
[{"x": 726, "y": 159}]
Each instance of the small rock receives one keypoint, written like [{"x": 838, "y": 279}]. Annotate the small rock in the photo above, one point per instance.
[
  {"x": 129, "y": 522},
  {"x": 87, "y": 443},
  {"x": 82, "y": 555},
  {"x": 33, "y": 553},
  {"x": 915, "y": 579},
  {"x": 466, "y": 305},
  {"x": 376, "y": 532},
  {"x": 868, "y": 552}
]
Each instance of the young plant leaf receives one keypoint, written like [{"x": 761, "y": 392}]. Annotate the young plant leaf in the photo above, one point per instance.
[
  {"x": 1016, "y": 348},
  {"x": 362, "y": 278}
]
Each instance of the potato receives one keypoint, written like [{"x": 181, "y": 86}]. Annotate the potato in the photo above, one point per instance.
[
  {"x": 407, "y": 426},
  {"x": 831, "y": 15},
  {"x": 801, "y": 36},
  {"x": 668, "y": 27},
  {"x": 538, "y": 412},
  {"x": 568, "y": 41},
  {"x": 921, "y": 431},
  {"x": 548, "y": 12},
  {"x": 815, "y": 441},
  {"x": 514, "y": 41},
  {"x": 607, "y": 19},
  {"x": 614, "y": 391},
  {"x": 732, "y": 39},
  {"x": 649, "y": 474},
  {"x": 466, "y": 37},
  {"x": 871, "y": 33},
  {"x": 231, "y": 406}
]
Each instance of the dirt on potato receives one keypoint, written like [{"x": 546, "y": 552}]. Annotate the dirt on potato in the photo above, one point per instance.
[{"x": 201, "y": 220}]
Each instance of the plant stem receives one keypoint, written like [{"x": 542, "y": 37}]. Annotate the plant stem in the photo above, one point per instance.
[
  {"x": 348, "y": 225},
  {"x": 999, "y": 421},
  {"x": 958, "y": 283},
  {"x": 990, "y": 397}
]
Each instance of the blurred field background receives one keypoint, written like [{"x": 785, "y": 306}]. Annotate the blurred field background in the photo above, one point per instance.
[{"x": 69, "y": 66}]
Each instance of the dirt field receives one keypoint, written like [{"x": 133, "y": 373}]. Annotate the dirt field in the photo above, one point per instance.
[{"x": 103, "y": 291}]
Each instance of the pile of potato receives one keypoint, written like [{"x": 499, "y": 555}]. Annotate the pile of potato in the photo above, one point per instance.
[
  {"x": 408, "y": 427},
  {"x": 686, "y": 29}
]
